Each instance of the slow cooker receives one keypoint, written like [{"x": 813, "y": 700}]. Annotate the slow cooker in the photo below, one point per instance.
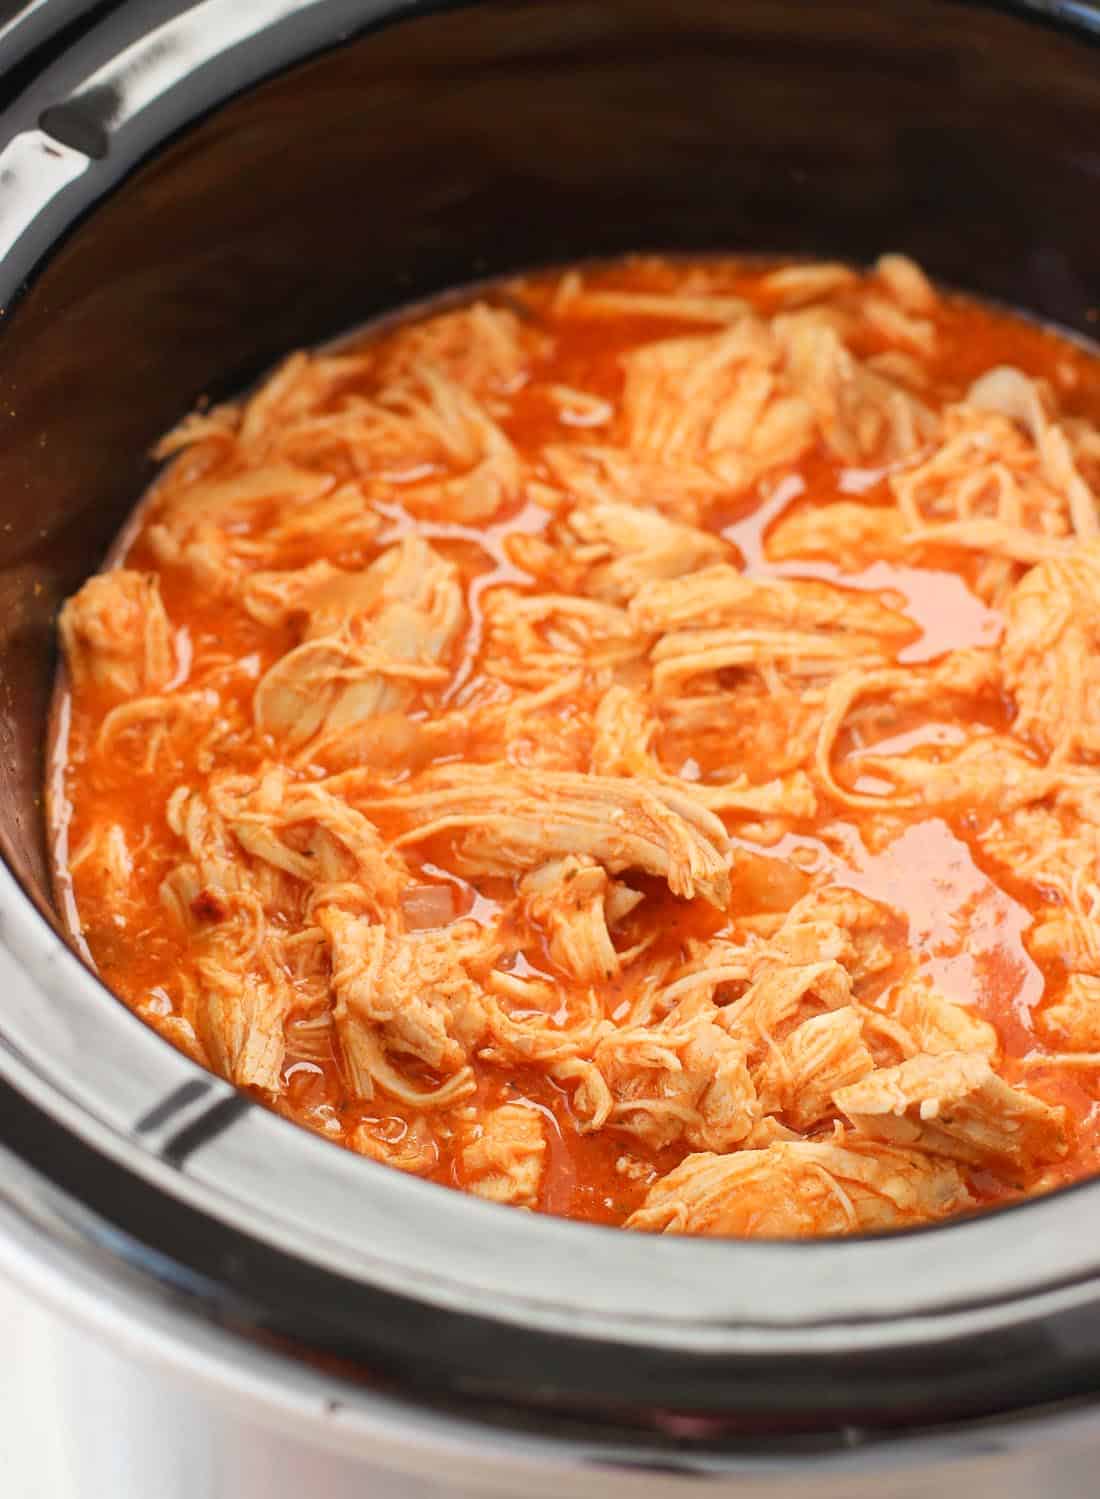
[{"x": 226, "y": 1305}]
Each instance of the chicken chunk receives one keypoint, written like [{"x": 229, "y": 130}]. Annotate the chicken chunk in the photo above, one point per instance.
[
  {"x": 1072, "y": 1023},
  {"x": 1002, "y": 482},
  {"x": 935, "y": 1024},
  {"x": 575, "y": 902},
  {"x": 319, "y": 599},
  {"x": 626, "y": 546},
  {"x": 596, "y": 475},
  {"x": 1030, "y": 404},
  {"x": 1053, "y": 844},
  {"x": 861, "y": 416},
  {"x": 780, "y": 999},
  {"x": 105, "y": 862},
  {"x": 907, "y": 283},
  {"x": 483, "y": 348},
  {"x": 198, "y": 520},
  {"x": 307, "y": 832},
  {"x": 371, "y": 640},
  {"x": 953, "y": 1104},
  {"x": 845, "y": 532},
  {"x": 860, "y": 933},
  {"x": 216, "y": 881},
  {"x": 700, "y": 305},
  {"x": 1008, "y": 392},
  {"x": 720, "y": 597},
  {"x": 117, "y": 636},
  {"x": 716, "y": 400},
  {"x": 410, "y": 1147},
  {"x": 341, "y": 518},
  {"x": 513, "y": 819},
  {"x": 801, "y": 1188},
  {"x": 623, "y": 746},
  {"x": 799, "y": 1077},
  {"x": 763, "y": 719},
  {"x": 755, "y": 396},
  {"x": 256, "y": 981},
  {"x": 1052, "y": 654},
  {"x": 436, "y": 411},
  {"x": 503, "y": 1154},
  {"x": 717, "y": 619},
  {"x": 420, "y": 421},
  {"x": 535, "y": 640},
  {"x": 682, "y": 1079},
  {"x": 624, "y": 735},
  {"x": 241, "y": 1016},
  {"x": 177, "y": 1030},
  {"x": 681, "y": 657},
  {"x": 405, "y": 996},
  {"x": 799, "y": 285},
  {"x": 1070, "y": 937},
  {"x": 987, "y": 769}
]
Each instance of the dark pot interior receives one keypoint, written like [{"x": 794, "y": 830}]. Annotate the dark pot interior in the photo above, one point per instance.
[
  {"x": 481, "y": 139},
  {"x": 476, "y": 139}
]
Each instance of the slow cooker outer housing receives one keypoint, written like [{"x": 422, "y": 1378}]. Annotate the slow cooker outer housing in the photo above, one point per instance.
[{"x": 170, "y": 225}]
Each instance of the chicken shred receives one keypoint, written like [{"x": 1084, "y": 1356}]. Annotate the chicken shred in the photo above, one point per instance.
[
  {"x": 1052, "y": 654},
  {"x": 797, "y": 1189},
  {"x": 511, "y": 819},
  {"x": 503, "y": 1155},
  {"x": 369, "y": 641},
  {"x": 408, "y": 994},
  {"x": 116, "y": 634},
  {"x": 577, "y": 905},
  {"x": 954, "y": 1104}
]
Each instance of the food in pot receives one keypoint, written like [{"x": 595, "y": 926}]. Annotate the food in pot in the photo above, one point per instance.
[{"x": 626, "y": 745}]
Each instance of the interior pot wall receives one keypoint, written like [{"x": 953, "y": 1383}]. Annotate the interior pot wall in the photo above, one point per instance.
[{"x": 475, "y": 140}]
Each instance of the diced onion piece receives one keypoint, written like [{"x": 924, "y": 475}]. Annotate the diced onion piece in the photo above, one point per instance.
[{"x": 428, "y": 906}]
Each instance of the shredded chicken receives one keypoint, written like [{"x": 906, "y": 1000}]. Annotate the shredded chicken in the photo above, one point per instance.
[
  {"x": 800, "y": 1077},
  {"x": 242, "y": 1024},
  {"x": 844, "y": 532},
  {"x": 624, "y": 732},
  {"x": 716, "y": 597},
  {"x": 534, "y": 641},
  {"x": 408, "y": 1147},
  {"x": 626, "y": 745}
]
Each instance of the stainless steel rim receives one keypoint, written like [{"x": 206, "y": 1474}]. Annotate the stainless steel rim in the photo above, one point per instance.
[{"x": 45, "y": 1248}]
